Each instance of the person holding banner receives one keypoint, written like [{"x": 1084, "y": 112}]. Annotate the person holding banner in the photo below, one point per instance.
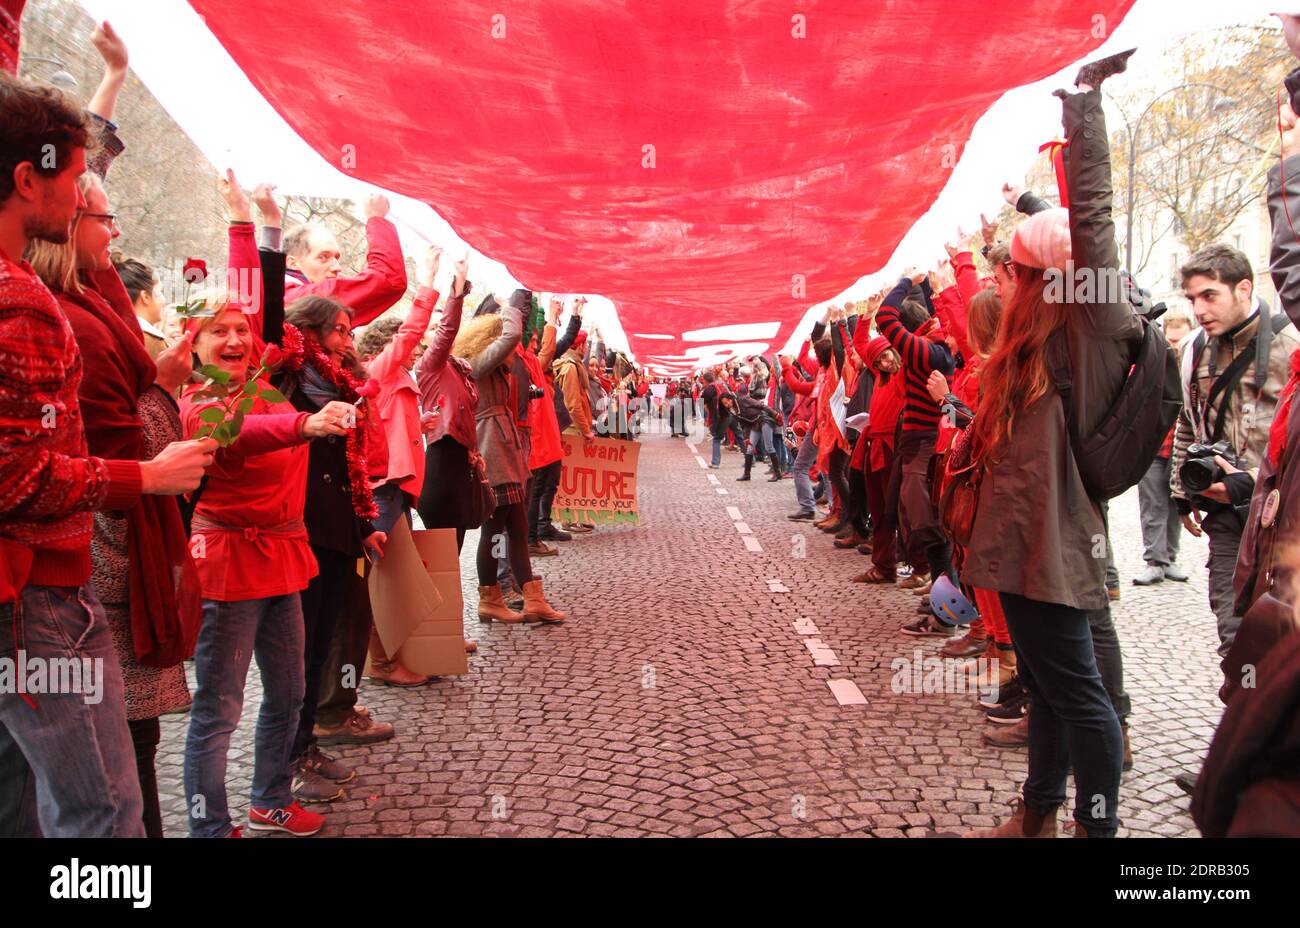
[{"x": 488, "y": 343}]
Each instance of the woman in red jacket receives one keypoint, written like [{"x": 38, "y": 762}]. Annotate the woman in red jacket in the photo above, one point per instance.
[{"x": 251, "y": 549}]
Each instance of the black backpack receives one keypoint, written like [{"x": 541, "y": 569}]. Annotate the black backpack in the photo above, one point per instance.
[{"x": 1116, "y": 456}]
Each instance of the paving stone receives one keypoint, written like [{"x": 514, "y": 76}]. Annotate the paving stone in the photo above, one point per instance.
[{"x": 682, "y": 699}]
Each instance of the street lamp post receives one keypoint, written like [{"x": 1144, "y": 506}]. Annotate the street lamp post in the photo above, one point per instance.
[
  {"x": 1131, "y": 129},
  {"x": 61, "y": 77}
]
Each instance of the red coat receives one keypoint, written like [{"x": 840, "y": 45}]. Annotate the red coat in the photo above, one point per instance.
[
  {"x": 372, "y": 292},
  {"x": 545, "y": 447}
]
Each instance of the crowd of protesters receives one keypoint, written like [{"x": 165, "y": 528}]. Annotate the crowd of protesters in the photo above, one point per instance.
[
  {"x": 155, "y": 461},
  {"x": 932, "y": 426}
]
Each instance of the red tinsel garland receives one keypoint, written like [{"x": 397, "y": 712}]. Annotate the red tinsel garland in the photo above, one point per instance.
[{"x": 298, "y": 351}]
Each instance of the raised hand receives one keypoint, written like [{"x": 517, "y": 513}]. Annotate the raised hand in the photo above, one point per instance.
[
  {"x": 989, "y": 230},
  {"x": 377, "y": 206},
  {"x": 264, "y": 199},
  {"x": 429, "y": 262},
  {"x": 1012, "y": 194},
  {"x": 236, "y": 200},
  {"x": 110, "y": 46}
]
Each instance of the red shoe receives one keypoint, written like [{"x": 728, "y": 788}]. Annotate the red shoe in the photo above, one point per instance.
[
  {"x": 236, "y": 832},
  {"x": 293, "y": 818}
]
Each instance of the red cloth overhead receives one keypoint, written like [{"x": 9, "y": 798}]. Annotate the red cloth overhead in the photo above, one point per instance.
[{"x": 697, "y": 161}]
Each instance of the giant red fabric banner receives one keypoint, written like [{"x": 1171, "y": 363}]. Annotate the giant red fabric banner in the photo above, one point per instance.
[{"x": 702, "y": 163}]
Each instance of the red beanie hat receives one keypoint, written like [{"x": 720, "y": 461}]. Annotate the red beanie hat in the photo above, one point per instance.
[
  {"x": 579, "y": 341},
  {"x": 11, "y": 15},
  {"x": 875, "y": 348}
]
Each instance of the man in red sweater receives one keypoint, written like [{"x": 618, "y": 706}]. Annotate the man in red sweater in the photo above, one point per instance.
[
  {"x": 64, "y": 740},
  {"x": 312, "y": 255}
]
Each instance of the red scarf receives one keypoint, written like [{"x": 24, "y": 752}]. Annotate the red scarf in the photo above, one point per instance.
[
  {"x": 164, "y": 587},
  {"x": 1277, "y": 431},
  {"x": 299, "y": 351}
]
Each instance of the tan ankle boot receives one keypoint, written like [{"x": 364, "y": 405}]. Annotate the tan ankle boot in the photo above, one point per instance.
[
  {"x": 536, "y": 608},
  {"x": 1006, "y": 665},
  {"x": 394, "y": 673},
  {"x": 1022, "y": 824},
  {"x": 492, "y": 605}
]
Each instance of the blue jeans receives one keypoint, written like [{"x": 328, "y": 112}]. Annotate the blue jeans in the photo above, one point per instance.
[
  {"x": 1071, "y": 718},
  {"x": 761, "y": 439},
  {"x": 233, "y": 632},
  {"x": 717, "y": 451},
  {"x": 803, "y": 462},
  {"x": 68, "y": 763}
]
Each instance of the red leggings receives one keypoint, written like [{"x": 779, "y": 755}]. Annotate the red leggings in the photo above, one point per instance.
[{"x": 995, "y": 623}]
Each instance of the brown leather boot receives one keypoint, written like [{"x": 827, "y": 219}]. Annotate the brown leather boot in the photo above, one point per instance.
[
  {"x": 492, "y": 605},
  {"x": 1022, "y": 824},
  {"x": 536, "y": 608}
]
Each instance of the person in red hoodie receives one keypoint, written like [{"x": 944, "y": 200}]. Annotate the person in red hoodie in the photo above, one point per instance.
[
  {"x": 886, "y": 407},
  {"x": 314, "y": 269},
  {"x": 71, "y": 751}
]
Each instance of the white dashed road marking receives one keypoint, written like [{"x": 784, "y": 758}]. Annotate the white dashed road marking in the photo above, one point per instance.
[{"x": 847, "y": 693}]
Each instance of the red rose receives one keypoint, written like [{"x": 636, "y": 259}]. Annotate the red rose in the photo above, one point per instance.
[
  {"x": 195, "y": 271},
  {"x": 369, "y": 389},
  {"x": 272, "y": 357}
]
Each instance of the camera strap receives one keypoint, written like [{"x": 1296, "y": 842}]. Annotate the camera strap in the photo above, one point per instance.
[{"x": 1257, "y": 352}]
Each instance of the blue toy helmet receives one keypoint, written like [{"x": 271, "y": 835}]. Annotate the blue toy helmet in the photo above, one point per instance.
[{"x": 949, "y": 605}]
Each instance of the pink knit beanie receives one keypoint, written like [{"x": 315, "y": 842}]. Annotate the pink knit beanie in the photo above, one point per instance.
[{"x": 1043, "y": 241}]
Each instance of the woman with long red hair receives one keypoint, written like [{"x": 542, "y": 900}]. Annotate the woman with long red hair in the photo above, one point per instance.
[{"x": 1036, "y": 530}]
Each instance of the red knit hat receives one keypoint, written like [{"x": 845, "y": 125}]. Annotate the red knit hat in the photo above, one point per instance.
[
  {"x": 579, "y": 341},
  {"x": 11, "y": 15},
  {"x": 875, "y": 348}
]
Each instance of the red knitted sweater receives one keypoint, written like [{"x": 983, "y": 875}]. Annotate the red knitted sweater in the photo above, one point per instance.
[{"x": 48, "y": 484}]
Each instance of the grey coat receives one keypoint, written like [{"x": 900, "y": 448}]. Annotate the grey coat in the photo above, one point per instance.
[
  {"x": 498, "y": 440},
  {"x": 1037, "y": 533}
]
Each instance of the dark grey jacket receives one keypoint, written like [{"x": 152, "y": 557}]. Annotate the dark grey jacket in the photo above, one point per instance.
[
  {"x": 1037, "y": 533},
  {"x": 1264, "y": 581}
]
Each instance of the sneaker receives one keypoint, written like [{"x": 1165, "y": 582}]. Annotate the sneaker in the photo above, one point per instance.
[
  {"x": 803, "y": 515},
  {"x": 328, "y": 766},
  {"x": 1013, "y": 711},
  {"x": 1175, "y": 573},
  {"x": 1015, "y": 735},
  {"x": 926, "y": 627},
  {"x": 541, "y": 549},
  {"x": 310, "y": 786},
  {"x": 1149, "y": 575},
  {"x": 236, "y": 832},
  {"x": 1007, "y": 693},
  {"x": 864, "y": 548},
  {"x": 922, "y": 591},
  {"x": 1186, "y": 781},
  {"x": 514, "y": 599},
  {"x": 357, "y": 728},
  {"x": 293, "y": 818},
  {"x": 914, "y": 581}
]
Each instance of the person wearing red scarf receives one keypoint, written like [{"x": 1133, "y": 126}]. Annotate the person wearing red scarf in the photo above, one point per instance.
[{"x": 49, "y": 487}]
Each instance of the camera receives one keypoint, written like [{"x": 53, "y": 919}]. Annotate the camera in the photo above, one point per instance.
[
  {"x": 1200, "y": 471},
  {"x": 535, "y": 392}
]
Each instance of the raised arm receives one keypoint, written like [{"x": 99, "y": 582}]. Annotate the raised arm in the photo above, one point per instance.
[
  {"x": 1284, "y": 209},
  {"x": 416, "y": 322},
  {"x": 1092, "y": 230},
  {"x": 495, "y": 354}
]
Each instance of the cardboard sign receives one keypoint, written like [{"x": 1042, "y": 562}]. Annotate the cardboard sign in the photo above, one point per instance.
[
  {"x": 402, "y": 594},
  {"x": 597, "y": 481}
]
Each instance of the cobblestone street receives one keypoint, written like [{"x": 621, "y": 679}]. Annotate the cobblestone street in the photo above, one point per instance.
[{"x": 683, "y": 698}]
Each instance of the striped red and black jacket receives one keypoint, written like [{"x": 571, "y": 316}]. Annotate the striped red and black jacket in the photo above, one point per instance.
[{"x": 920, "y": 356}]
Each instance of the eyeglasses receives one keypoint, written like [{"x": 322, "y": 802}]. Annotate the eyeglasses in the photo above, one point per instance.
[
  {"x": 343, "y": 331},
  {"x": 108, "y": 219}
]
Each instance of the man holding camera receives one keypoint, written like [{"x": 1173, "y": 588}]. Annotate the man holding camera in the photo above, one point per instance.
[{"x": 1233, "y": 375}]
